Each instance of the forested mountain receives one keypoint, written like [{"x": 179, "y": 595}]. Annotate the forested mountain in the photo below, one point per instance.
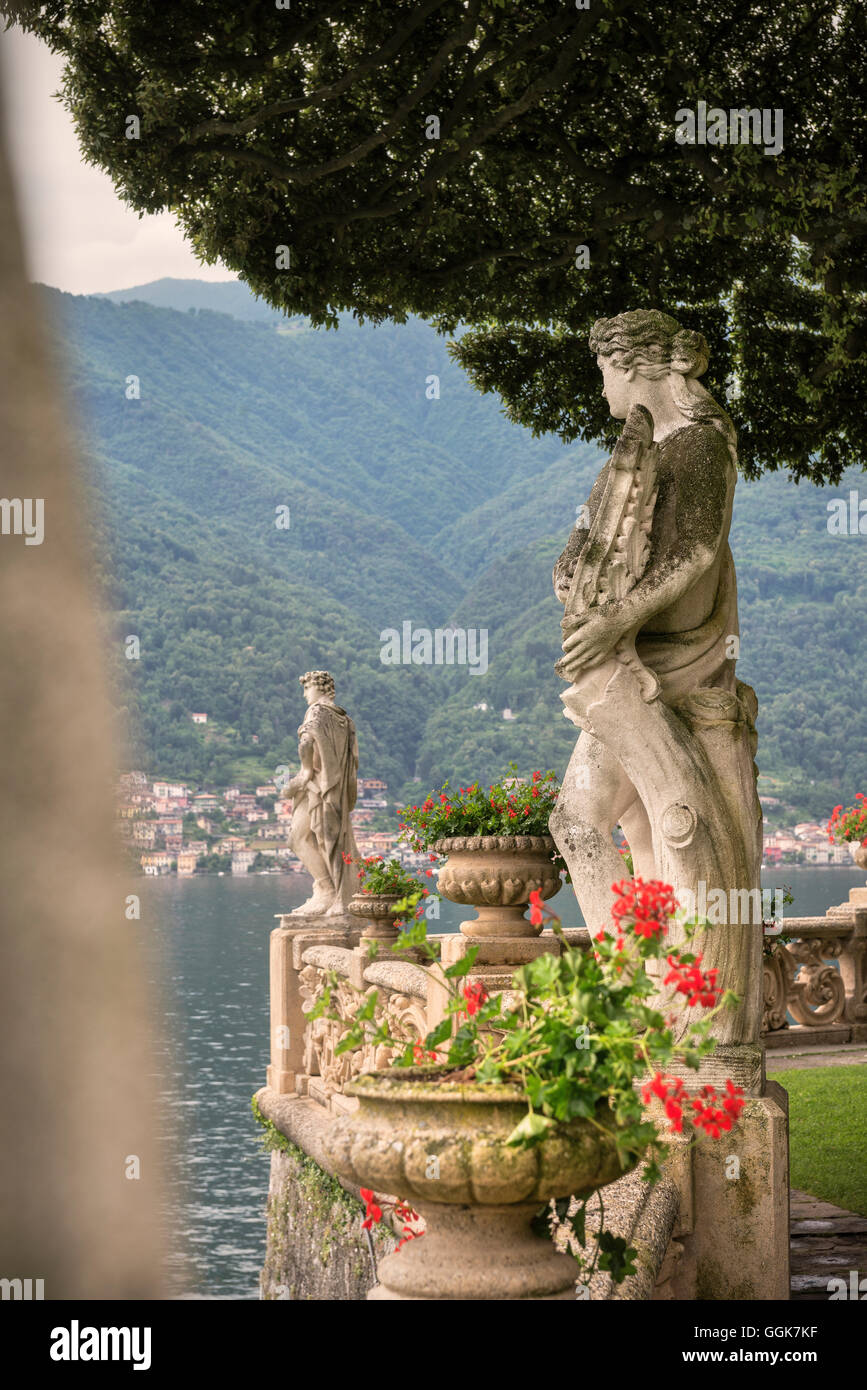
[{"x": 198, "y": 425}]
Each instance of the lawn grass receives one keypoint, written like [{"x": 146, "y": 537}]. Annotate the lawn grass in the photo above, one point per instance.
[{"x": 828, "y": 1133}]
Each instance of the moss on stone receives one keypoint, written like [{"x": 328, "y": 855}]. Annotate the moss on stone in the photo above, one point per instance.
[{"x": 316, "y": 1248}]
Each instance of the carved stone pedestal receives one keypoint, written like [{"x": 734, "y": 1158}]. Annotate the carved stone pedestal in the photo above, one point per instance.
[
  {"x": 477, "y": 1253},
  {"x": 497, "y": 960},
  {"x": 287, "y": 1020},
  {"x": 734, "y": 1221}
]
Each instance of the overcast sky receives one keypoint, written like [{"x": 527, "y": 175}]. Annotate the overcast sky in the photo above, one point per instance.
[{"x": 80, "y": 236}]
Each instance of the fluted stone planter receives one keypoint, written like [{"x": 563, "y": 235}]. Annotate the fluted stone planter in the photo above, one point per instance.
[
  {"x": 496, "y": 874},
  {"x": 441, "y": 1147},
  {"x": 858, "y": 853},
  {"x": 376, "y": 911}
]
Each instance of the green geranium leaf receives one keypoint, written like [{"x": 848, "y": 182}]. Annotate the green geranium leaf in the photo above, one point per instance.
[
  {"x": 463, "y": 966},
  {"x": 530, "y": 1131}
]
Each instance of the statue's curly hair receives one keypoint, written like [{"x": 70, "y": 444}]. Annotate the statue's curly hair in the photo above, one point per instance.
[
  {"x": 656, "y": 346},
  {"x": 323, "y": 680},
  {"x": 647, "y": 337}
]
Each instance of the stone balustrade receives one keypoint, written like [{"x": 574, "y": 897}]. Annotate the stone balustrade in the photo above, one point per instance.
[
  {"x": 815, "y": 979},
  {"x": 815, "y": 991}
]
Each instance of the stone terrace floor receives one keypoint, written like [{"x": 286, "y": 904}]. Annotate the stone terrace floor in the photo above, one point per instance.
[{"x": 825, "y": 1242}]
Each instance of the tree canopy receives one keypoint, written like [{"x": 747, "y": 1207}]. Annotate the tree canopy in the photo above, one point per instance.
[{"x": 450, "y": 158}]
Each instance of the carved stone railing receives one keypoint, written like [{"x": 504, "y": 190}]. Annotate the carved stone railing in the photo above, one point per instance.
[
  {"x": 402, "y": 1002},
  {"x": 304, "y": 1057},
  {"x": 815, "y": 979}
]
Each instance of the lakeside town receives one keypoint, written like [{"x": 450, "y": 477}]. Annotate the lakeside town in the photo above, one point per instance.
[{"x": 169, "y": 828}]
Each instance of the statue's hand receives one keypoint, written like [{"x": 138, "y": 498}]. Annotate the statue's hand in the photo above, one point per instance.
[
  {"x": 296, "y": 785},
  {"x": 591, "y": 641}
]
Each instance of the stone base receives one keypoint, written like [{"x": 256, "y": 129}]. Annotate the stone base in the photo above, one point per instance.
[
  {"x": 737, "y": 1189},
  {"x": 479, "y": 1254},
  {"x": 318, "y": 922},
  {"x": 499, "y": 956},
  {"x": 800, "y": 1038}
]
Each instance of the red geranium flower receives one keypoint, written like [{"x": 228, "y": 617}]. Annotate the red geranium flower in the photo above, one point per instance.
[{"x": 475, "y": 995}]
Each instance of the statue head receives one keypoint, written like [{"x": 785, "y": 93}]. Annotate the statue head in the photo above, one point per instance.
[
  {"x": 645, "y": 356},
  {"x": 317, "y": 685}
]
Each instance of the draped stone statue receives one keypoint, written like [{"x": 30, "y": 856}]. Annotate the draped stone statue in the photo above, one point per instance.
[
  {"x": 650, "y": 631},
  {"x": 323, "y": 796}
]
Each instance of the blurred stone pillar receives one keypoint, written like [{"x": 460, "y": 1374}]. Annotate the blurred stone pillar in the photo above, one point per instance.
[{"x": 76, "y": 1089}]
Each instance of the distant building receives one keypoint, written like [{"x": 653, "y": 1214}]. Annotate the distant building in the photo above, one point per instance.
[
  {"x": 808, "y": 830},
  {"x": 169, "y": 825},
  {"x": 372, "y": 784},
  {"x": 174, "y": 791},
  {"x": 483, "y": 705},
  {"x": 205, "y": 801},
  {"x": 187, "y": 861},
  {"x": 230, "y": 793},
  {"x": 817, "y": 855},
  {"x": 267, "y": 790},
  {"x": 507, "y": 714},
  {"x": 158, "y": 862},
  {"x": 199, "y": 718},
  {"x": 242, "y": 861}
]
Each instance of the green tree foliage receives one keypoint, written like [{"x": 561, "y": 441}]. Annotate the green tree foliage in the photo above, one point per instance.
[{"x": 448, "y": 159}]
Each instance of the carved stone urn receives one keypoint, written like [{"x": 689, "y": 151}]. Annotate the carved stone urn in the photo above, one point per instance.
[
  {"x": 377, "y": 912},
  {"x": 441, "y": 1146},
  {"x": 858, "y": 853},
  {"x": 497, "y": 874}
]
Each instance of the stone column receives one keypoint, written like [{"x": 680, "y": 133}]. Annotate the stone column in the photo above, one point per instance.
[{"x": 287, "y": 1019}]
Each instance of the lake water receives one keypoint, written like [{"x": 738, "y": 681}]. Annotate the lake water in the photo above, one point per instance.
[{"x": 205, "y": 943}]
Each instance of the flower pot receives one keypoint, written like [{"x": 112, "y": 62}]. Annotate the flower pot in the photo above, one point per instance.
[
  {"x": 497, "y": 874},
  {"x": 442, "y": 1147},
  {"x": 858, "y": 853},
  {"x": 376, "y": 910}
]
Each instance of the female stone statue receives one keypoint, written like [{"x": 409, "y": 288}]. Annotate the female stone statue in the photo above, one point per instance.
[
  {"x": 650, "y": 640},
  {"x": 323, "y": 796}
]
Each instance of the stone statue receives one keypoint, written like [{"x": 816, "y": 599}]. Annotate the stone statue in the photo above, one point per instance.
[
  {"x": 323, "y": 796},
  {"x": 650, "y": 631}
]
